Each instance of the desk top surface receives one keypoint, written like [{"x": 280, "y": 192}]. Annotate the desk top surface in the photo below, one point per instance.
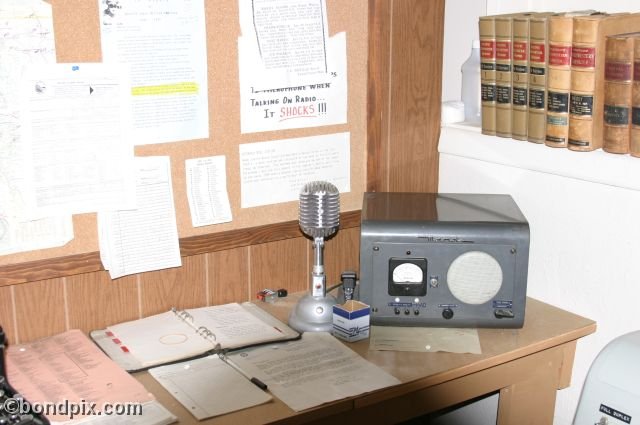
[{"x": 545, "y": 326}]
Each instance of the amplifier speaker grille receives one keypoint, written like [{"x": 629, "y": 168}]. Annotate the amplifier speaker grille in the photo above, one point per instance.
[{"x": 474, "y": 277}]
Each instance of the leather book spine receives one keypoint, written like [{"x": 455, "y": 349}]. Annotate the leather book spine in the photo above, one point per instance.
[
  {"x": 488, "y": 74},
  {"x": 618, "y": 75},
  {"x": 634, "y": 141},
  {"x": 558, "y": 80},
  {"x": 504, "y": 38},
  {"x": 584, "y": 54},
  {"x": 586, "y": 110},
  {"x": 538, "y": 52},
  {"x": 520, "y": 76}
]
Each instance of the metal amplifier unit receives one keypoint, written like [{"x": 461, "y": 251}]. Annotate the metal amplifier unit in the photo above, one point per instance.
[{"x": 444, "y": 260}]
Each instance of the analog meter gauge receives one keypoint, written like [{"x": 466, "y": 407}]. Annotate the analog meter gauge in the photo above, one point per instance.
[
  {"x": 407, "y": 273},
  {"x": 407, "y": 276}
]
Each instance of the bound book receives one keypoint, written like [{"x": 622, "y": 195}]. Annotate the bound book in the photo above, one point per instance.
[
  {"x": 634, "y": 147},
  {"x": 618, "y": 74},
  {"x": 504, "y": 38},
  {"x": 520, "y": 76},
  {"x": 487, "y": 33},
  {"x": 185, "y": 334},
  {"x": 560, "y": 32},
  {"x": 538, "y": 54},
  {"x": 586, "y": 107}
]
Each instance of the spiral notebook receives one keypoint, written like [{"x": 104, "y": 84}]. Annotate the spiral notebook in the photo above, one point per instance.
[{"x": 184, "y": 334}]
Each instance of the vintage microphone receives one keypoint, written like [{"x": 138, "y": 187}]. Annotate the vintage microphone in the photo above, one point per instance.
[{"x": 319, "y": 218}]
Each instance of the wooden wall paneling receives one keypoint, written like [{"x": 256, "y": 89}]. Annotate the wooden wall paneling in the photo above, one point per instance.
[
  {"x": 7, "y": 314},
  {"x": 415, "y": 86},
  {"x": 378, "y": 94},
  {"x": 341, "y": 252},
  {"x": 194, "y": 245},
  {"x": 180, "y": 287},
  {"x": 40, "y": 309},
  {"x": 94, "y": 301},
  {"x": 281, "y": 264},
  {"x": 229, "y": 276}
]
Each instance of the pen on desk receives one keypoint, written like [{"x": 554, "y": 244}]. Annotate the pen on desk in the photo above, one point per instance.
[{"x": 258, "y": 383}]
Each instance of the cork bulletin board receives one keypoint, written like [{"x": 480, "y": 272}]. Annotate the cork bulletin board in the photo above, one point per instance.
[{"x": 77, "y": 37}]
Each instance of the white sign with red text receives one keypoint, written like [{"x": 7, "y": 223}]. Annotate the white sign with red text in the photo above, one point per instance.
[{"x": 292, "y": 75}]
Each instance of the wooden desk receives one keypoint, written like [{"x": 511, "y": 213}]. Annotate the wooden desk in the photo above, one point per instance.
[{"x": 527, "y": 366}]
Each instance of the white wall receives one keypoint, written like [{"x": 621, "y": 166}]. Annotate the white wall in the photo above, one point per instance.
[
  {"x": 585, "y": 236},
  {"x": 460, "y": 30}
]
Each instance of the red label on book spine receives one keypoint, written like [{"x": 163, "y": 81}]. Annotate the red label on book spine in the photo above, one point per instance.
[
  {"x": 488, "y": 49},
  {"x": 503, "y": 50},
  {"x": 583, "y": 57},
  {"x": 617, "y": 71},
  {"x": 519, "y": 50},
  {"x": 636, "y": 71},
  {"x": 559, "y": 55},
  {"x": 536, "y": 52}
]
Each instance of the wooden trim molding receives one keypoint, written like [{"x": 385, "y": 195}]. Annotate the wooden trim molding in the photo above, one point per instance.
[
  {"x": 378, "y": 91},
  {"x": 194, "y": 245}
]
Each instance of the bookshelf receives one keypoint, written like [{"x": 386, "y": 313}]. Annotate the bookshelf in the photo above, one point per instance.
[{"x": 618, "y": 171}]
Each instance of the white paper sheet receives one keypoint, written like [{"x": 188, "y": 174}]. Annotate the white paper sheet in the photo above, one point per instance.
[
  {"x": 146, "y": 238},
  {"x": 292, "y": 75},
  {"x": 26, "y": 42},
  {"x": 164, "y": 44},
  {"x": 75, "y": 125},
  {"x": 207, "y": 190},
  {"x": 273, "y": 172},
  {"x": 451, "y": 340},
  {"x": 208, "y": 387},
  {"x": 315, "y": 370}
]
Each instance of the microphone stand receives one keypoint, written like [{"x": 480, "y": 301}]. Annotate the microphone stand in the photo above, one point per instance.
[
  {"x": 314, "y": 311},
  {"x": 318, "y": 278}
]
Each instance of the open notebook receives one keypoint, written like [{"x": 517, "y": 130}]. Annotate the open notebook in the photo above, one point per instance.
[{"x": 183, "y": 334}]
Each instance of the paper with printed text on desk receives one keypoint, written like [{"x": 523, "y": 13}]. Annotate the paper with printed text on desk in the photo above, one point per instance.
[
  {"x": 315, "y": 370},
  {"x": 68, "y": 369}
]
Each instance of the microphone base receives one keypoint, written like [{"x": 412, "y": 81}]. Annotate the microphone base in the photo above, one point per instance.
[{"x": 313, "y": 314}]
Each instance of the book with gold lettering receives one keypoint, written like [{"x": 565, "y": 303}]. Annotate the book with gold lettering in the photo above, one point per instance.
[
  {"x": 560, "y": 32},
  {"x": 504, "y": 63},
  {"x": 618, "y": 74},
  {"x": 520, "y": 76},
  {"x": 487, "y": 34},
  {"x": 634, "y": 142},
  {"x": 538, "y": 56},
  {"x": 586, "y": 107}
]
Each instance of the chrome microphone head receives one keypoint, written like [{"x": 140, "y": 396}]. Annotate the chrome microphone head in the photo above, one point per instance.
[{"x": 319, "y": 213}]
